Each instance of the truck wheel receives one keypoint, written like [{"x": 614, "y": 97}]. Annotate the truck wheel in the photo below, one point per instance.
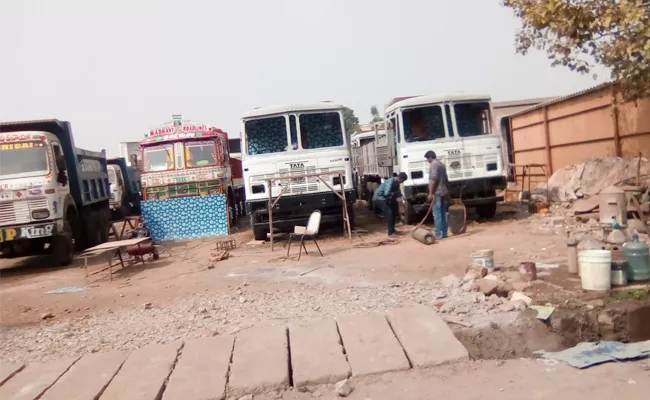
[
  {"x": 63, "y": 246},
  {"x": 94, "y": 229},
  {"x": 409, "y": 217},
  {"x": 486, "y": 211}
]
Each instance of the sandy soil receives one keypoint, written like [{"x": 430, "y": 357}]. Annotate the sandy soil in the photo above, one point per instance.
[
  {"x": 254, "y": 286},
  {"x": 503, "y": 380}
]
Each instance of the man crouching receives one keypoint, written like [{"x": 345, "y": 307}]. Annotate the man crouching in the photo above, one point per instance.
[{"x": 386, "y": 197}]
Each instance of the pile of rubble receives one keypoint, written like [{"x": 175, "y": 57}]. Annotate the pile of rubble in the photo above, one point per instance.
[
  {"x": 594, "y": 175},
  {"x": 471, "y": 295}
]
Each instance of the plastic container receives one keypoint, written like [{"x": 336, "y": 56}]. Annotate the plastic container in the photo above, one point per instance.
[
  {"x": 613, "y": 204},
  {"x": 484, "y": 259},
  {"x": 595, "y": 269},
  {"x": 637, "y": 255},
  {"x": 572, "y": 254}
]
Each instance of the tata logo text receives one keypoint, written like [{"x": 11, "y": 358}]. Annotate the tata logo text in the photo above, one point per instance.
[
  {"x": 453, "y": 152},
  {"x": 296, "y": 165}
]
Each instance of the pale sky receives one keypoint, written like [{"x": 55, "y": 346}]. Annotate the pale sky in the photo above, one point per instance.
[{"x": 117, "y": 68}]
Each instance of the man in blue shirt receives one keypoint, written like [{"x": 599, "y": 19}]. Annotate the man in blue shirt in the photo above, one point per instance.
[{"x": 386, "y": 197}]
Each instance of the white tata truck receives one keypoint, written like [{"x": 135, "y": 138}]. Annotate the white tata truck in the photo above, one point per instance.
[
  {"x": 458, "y": 128},
  {"x": 284, "y": 141},
  {"x": 51, "y": 193}
]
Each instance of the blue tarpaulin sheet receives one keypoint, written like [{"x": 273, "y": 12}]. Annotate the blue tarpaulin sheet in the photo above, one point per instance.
[{"x": 587, "y": 354}]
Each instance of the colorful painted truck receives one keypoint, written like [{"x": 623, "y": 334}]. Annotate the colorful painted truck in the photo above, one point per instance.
[
  {"x": 125, "y": 188},
  {"x": 184, "y": 159},
  {"x": 51, "y": 193}
]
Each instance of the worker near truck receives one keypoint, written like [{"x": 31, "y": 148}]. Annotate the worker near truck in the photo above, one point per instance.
[
  {"x": 386, "y": 197},
  {"x": 438, "y": 193}
]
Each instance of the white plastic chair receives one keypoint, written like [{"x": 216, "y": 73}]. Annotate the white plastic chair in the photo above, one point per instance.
[{"x": 310, "y": 231}]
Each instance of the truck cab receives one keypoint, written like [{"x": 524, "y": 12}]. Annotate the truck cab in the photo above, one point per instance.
[
  {"x": 458, "y": 128},
  {"x": 125, "y": 188},
  {"x": 299, "y": 140}
]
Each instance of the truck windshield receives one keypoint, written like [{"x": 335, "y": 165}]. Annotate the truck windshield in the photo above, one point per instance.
[
  {"x": 472, "y": 119},
  {"x": 200, "y": 153},
  {"x": 321, "y": 130},
  {"x": 23, "y": 158},
  {"x": 266, "y": 135},
  {"x": 158, "y": 158},
  {"x": 423, "y": 124}
]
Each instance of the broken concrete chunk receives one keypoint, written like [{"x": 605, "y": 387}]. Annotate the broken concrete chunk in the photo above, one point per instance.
[
  {"x": 487, "y": 286},
  {"x": 343, "y": 388},
  {"x": 520, "y": 296}
]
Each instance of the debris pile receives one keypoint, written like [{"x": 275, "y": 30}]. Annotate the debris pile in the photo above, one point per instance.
[{"x": 594, "y": 175}]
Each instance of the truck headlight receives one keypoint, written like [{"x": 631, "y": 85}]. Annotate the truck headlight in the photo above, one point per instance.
[{"x": 40, "y": 214}]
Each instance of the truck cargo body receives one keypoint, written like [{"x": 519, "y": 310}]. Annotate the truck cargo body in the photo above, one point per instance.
[{"x": 50, "y": 191}]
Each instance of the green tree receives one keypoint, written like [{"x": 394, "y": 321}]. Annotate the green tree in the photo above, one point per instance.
[
  {"x": 579, "y": 34},
  {"x": 351, "y": 120},
  {"x": 375, "y": 115}
]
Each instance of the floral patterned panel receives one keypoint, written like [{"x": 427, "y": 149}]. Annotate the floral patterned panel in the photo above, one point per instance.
[
  {"x": 186, "y": 217},
  {"x": 434, "y": 125},
  {"x": 321, "y": 130},
  {"x": 268, "y": 135}
]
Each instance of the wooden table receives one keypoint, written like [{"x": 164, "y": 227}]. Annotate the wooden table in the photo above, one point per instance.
[
  {"x": 131, "y": 221},
  {"x": 116, "y": 247}
]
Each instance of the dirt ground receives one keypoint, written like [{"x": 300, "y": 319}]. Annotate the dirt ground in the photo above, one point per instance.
[
  {"x": 181, "y": 296},
  {"x": 503, "y": 380}
]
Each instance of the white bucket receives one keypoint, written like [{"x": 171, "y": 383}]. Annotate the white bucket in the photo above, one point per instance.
[
  {"x": 484, "y": 259},
  {"x": 595, "y": 269}
]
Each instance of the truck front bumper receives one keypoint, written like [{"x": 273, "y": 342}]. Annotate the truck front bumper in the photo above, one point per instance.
[{"x": 28, "y": 231}]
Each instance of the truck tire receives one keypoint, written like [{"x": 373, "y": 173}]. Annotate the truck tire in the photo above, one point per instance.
[
  {"x": 63, "y": 246},
  {"x": 409, "y": 218},
  {"x": 95, "y": 228}
]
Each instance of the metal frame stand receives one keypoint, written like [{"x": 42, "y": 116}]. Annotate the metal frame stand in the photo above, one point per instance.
[{"x": 272, "y": 203}]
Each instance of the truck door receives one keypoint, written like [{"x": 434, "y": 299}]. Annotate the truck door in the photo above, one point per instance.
[{"x": 62, "y": 188}]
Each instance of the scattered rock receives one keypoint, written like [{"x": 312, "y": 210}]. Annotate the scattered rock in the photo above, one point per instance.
[
  {"x": 519, "y": 305},
  {"x": 209, "y": 333},
  {"x": 470, "y": 276},
  {"x": 242, "y": 299},
  {"x": 520, "y": 296},
  {"x": 487, "y": 286},
  {"x": 247, "y": 397},
  {"x": 343, "y": 388},
  {"x": 451, "y": 280},
  {"x": 146, "y": 306},
  {"x": 47, "y": 316}
]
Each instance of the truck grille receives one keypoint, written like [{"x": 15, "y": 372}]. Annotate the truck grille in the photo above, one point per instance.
[
  {"x": 17, "y": 212},
  {"x": 458, "y": 167},
  {"x": 303, "y": 185}
]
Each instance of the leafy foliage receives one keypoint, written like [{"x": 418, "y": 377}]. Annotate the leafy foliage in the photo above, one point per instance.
[
  {"x": 375, "y": 115},
  {"x": 351, "y": 120},
  {"x": 581, "y": 33}
]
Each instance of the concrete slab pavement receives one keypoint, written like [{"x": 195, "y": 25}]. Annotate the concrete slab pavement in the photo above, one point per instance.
[
  {"x": 371, "y": 345},
  {"x": 260, "y": 361},
  {"x": 201, "y": 370},
  {"x": 317, "y": 356},
  {"x": 30, "y": 383},
  {"x": 7, "y": 370},
  {"x": 143, "y": 374},
  {"x": 425, "y": 337},
  {"x": 87, "y": 378}
]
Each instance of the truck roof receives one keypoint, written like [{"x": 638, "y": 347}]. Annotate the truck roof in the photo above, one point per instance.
[
  {"x": 44, "y": 125},
  {"x": 263, "y": 111},
  {"x": 437, "y": 98}
]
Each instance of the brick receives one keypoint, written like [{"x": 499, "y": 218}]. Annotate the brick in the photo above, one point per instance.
[
  {"x": 260, "y": 361},
  {"x": 317, "y": 356},
  {"x": 425, "y": 337},
  {"x": 371, "y": 345},
  {"x": 201, "y": 371},
  {"x": 7, "y": 370},
  {"x": 143, "y": 374},
  {"x": 35, "y": 379},
  {"x": 87, "y": 378}
]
